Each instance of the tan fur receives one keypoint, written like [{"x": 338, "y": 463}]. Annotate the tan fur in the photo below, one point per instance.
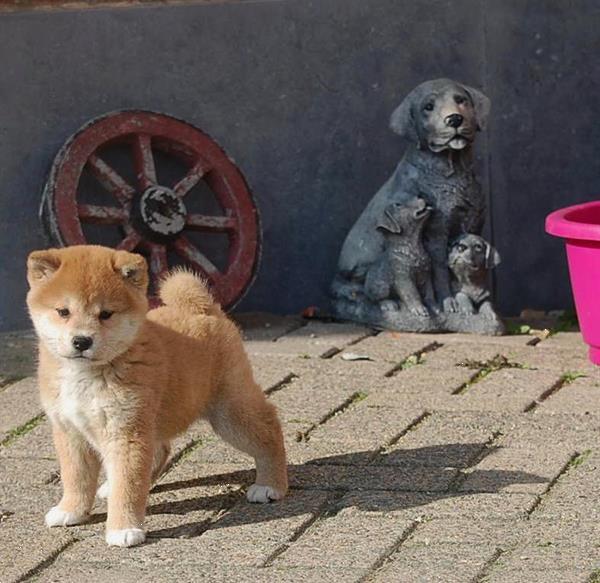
[{"x": 147, "y": 376}]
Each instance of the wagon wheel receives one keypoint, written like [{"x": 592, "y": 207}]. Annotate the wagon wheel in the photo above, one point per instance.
[{"x": 152, "y": 216}]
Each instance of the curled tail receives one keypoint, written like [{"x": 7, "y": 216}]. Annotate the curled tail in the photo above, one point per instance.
[{"x": 186, "y": 291}]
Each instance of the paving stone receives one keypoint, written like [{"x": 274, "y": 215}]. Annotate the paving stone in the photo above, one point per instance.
[
  {"x": 537, "y": 561},
  {"x": 19, "y": 403},
  {"x": 497, "y": 532},
  {"x": 388, "y": 349},
  {"x": 340, "y": 477},
  {"x": 581, "y": 396},
  {"x": 26, "y": 543},
  {"x": 36, "y": 443},
  {"x": 76, "y": 572},
  {"x": 27, "y": 472},
  {"x": 22, "y": 500},
  {"x": 444, "y": 439},
  {"x": 263, "y": 327},
  {"x": 533, "y": 575},
  {"x": 346, "y": 540},
  {"x": 509, "y": 389},
  {"x": 441, "y": 504},
  {"x": 517, "y": 470},
  {"x": 272, "y": 371},
  {"x": 353, "y": 435},
  {"x": 443, "y": 563},
  {"x": 315, "y": 339}
]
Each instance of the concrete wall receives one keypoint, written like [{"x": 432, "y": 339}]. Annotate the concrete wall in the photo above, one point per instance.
[{"x": 299, "y": 93}]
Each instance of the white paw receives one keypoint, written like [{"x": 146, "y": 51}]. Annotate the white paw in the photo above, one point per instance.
[
  {"x": 261, "y": 494},
  {"x": 57, "y": 517},
  {"x": 103, "y": 491},
  {"x": 128, "y": 537}
]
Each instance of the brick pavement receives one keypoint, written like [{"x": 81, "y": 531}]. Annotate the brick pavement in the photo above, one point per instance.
[{"x": 432, "y": 458}]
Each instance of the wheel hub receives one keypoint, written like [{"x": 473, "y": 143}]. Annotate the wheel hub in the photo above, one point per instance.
[{"x": 161, "y": 215}]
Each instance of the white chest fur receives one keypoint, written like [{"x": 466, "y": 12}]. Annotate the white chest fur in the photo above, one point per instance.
[{"x": 87, "y": 401}]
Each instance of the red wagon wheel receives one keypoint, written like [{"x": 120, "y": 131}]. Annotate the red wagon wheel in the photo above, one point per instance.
[{"x": 152, "y": 216}]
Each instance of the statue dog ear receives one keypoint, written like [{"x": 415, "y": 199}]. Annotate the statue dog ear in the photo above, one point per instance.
[
  {"x": 481, "y": 104},
  {"x": 492, "y": 257},
  {"x": 402, "y": 120}
]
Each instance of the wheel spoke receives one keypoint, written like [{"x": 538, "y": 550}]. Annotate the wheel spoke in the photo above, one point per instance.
[
  {"x": 210, "y": 223},
  {"x": 189, "y": 252},
  {"x": 158, "y": 263},
  {"x": 130, "y": 242},
  {"x": 110, "y": 179},
  {"x": 144, "y": 161},
  {"x": 190, "y": 180},
  {"x": 101, "y": 215}
]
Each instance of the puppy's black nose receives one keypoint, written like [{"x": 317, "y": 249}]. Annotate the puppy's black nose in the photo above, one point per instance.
[
  {"x": 82, "y": 343},
  {"x": 454, "y": 120}
]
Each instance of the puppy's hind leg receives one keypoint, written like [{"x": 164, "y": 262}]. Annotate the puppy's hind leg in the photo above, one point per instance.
[{"x": 247, "y": 421}]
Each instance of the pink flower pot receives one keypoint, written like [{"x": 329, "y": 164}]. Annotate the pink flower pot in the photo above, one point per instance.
[{"x": 579, "y": 225}]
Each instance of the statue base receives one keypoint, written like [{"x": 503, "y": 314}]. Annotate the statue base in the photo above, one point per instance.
[{"x": 388, "y": 316}]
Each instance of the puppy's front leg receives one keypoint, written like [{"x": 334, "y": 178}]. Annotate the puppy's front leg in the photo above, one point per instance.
[
  {"x": 79, "y": 468},
  {"x": 129, "y": 469}
]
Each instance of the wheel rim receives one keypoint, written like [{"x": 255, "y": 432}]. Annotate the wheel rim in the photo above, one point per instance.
[{"x": 152, "y": 216}]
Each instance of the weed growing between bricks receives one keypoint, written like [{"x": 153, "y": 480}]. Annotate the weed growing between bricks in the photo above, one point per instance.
[
  {"x": 22, "y": 430},
  {"x": 565, "y": 380},
  {"x": 484, "y": 368},
  {"x": 413, "y": 359}
]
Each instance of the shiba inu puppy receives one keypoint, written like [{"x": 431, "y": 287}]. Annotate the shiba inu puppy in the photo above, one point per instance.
[{"x": 119, "y": 382}]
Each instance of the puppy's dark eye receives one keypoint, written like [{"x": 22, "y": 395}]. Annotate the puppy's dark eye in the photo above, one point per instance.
[
  {"x": 63, "y": 312},
  {"x": 428, "y": 106},
  {"x": 105, "y": 315},
  {"x": 459, "y": 99}
]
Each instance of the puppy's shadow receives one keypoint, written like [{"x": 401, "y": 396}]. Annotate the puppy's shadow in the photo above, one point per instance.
[{"x": 367, "y": 480}]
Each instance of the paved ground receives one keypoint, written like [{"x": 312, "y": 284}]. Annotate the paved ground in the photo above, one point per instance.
[{"x": 435, "y": 458}]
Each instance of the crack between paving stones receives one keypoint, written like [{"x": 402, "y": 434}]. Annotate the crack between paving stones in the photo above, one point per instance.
[
  {"x": 485, "y": 369},
  {"x": 414, "y": 424},
  {"x": 180, "y": 456},
  {"x": 8, "y": 381},
  {"x": 413, "y": 359},
  {"x": 379, "y": 566},
  {"x": 354, "y": 398},
  {"x": 574, "y": 461},
  {"x": 287, "y": 380},
  {"x": 44, "y": 564},
  {"x": 331, "y": 352},
  {"x": 489, "y": 565},
  {"x": 293, "y": 329},
  {"x": 564, "y": 381},
  {"x": 463, "y": 473},
  {"x": 328, "y": 509}
]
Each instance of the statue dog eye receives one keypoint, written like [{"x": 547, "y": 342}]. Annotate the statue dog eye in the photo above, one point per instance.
[
  {"x": 462, "y": 248},
  {"x": 460, "y": 99},
  {"x": 479, "y": 248},
  {"x": 428, "y": 106}
]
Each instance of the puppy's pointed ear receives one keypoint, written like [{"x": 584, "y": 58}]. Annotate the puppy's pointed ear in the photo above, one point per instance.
[
  {"x": 402, "y": 120},
  {"x": 388, "y": 223},
  {"x": 133, "y": 268},
  {"x": 492, "y": 257},
  {"x": 41, "y": 265},
  {"x": 481, "y": 104}
]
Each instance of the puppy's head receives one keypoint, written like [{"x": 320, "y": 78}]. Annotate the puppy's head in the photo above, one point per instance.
[
  {"x": 472, "y": 253},
  {"x": 441, "y": 115},
  {"x": 403, "y": 218},
  {"x": 87, "y": 302}
]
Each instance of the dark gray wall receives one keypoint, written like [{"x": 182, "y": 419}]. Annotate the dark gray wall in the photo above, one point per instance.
[{"x": 299, "y": 93}]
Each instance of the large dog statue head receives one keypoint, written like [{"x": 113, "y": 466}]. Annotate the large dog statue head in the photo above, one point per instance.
[{"x": 441, "y": 114}]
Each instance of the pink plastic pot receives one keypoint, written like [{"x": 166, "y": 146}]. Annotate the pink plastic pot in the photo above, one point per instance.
[{"x": 579, "y": 225}]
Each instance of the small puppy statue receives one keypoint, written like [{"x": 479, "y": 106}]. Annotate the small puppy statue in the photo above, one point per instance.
[
  {"x": 404, "y": 267},
  {"x": 119, "y": 383},
  {"x": 470, "y": 259}
]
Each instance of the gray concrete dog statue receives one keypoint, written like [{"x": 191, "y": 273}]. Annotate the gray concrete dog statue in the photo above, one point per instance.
[{"x": 440, "y": 118}]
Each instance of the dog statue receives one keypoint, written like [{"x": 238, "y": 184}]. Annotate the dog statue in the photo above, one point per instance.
[
  {"x": 404, "y": 268},
  {"x": 470, "y": 259},
  {"x": 440, "y": 118}
]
